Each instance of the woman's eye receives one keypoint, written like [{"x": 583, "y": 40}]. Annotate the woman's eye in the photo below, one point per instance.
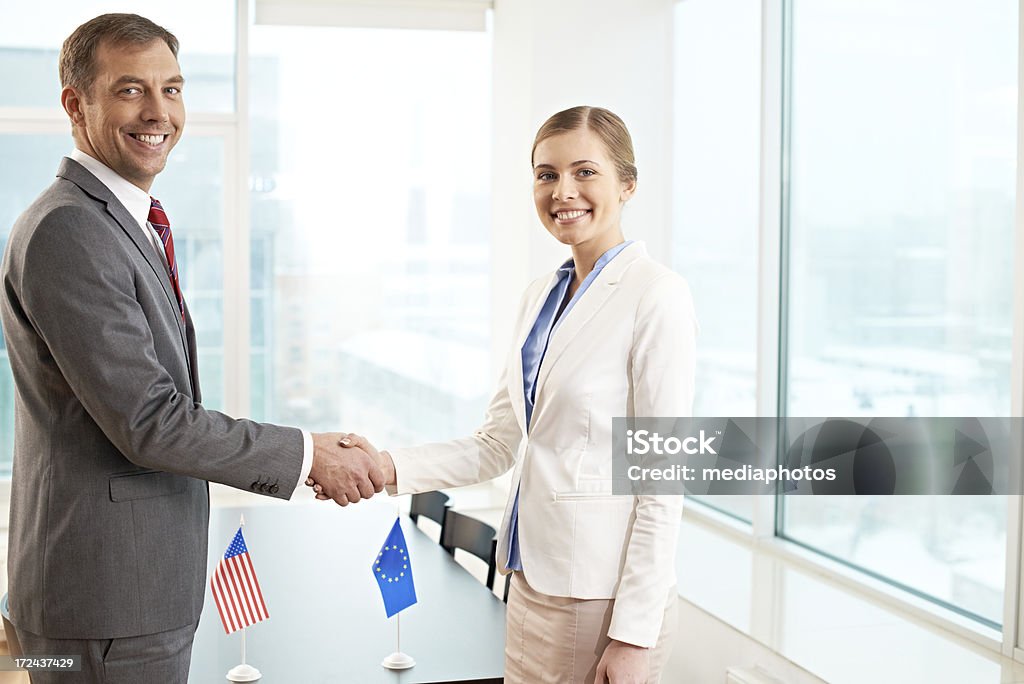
[
  {"x": 586, "y": 173},
  {"x": 546, "y": 176}
]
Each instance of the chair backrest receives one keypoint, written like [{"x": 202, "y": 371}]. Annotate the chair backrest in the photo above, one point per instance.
[
  {"x": 431, "y": 505},
  {"x": 461, "y": 531}
]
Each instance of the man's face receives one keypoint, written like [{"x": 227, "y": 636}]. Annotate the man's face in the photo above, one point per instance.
[{"x": 134, "y": 112}]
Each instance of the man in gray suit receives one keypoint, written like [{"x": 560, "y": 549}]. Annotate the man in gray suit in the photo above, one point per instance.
[{"x": 113, "y": 449}]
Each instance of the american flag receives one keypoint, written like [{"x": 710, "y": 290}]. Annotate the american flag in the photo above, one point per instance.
[{"x": 236, "y": 590}]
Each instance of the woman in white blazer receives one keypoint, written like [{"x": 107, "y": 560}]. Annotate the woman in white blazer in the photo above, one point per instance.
[{"x": 610, "y": 333}]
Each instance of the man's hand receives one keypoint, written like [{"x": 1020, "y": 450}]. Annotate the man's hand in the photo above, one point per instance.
[
  {"x": 623, "y": 663},
  {"x": 343, "y": 472}
]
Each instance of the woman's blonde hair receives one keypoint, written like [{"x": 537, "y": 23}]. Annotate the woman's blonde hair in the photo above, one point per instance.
[{"x": 608, "y": 127}]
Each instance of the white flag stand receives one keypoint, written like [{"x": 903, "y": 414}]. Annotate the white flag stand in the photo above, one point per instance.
[
  {"x": 398, "y": 660},
  {"x": 243, "y": 672}
]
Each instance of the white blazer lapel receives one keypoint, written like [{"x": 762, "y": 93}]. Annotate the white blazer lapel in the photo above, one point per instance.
[
  {"x": 515, "y": 363},
  {"x": 592, "y": 301}
]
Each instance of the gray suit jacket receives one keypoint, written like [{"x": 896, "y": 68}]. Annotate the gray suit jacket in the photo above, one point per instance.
[{"x": 112, "y": 449}]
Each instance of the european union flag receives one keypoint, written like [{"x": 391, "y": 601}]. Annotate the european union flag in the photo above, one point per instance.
[{"x": 394, "y": 572}]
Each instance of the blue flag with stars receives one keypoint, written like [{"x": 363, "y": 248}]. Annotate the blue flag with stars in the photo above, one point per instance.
[{"x": 394, "y": 572}]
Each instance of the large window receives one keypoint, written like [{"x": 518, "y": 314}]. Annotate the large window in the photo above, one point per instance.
[
  {"x": 895, "y": 174},
  {"x": 368, "y": 220},
  {"x": 370, "y": 230},
  {"x": 192, "y": 191},
  {"x": 30, "y": 44},
  {"x": 330, "y": 203},
  {"x": 35, "y": 132},
  {"x": 19, "y": 185},
  {"x": 715, "y": 236},
  {"x": 901, "y": 213}
]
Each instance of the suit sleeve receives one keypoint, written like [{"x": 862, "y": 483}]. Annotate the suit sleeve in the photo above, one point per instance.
[
  {"x": 77, "y": 290},
  {"x": 487, "y": 454},
  {"x": 662, "y": 373}
]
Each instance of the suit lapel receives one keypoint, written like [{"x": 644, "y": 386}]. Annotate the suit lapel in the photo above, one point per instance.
[
  {"x": 592, "y": 301},
  {"x": 77, "y": 174},
  {"x": 193, "y": 356},
  {"x": 515, "y": 376}
]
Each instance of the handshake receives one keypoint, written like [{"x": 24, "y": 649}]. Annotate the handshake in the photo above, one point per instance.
[{"x": 347, "y": 468}]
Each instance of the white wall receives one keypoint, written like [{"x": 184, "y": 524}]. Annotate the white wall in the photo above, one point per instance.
[
  {"x": 706, "y": 648},
  {"x": 551, "y": 55}
]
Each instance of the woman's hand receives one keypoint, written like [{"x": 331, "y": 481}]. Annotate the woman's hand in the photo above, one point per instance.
[
  {"x": 623, "y": 663},
  {"x": 383, "y": 458}
]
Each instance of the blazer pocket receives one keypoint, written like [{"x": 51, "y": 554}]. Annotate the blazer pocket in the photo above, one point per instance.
[
  {"x": 145, "y": 485},
  {"x": 592, "y": 496},
  {"x": 588, "y": 489}
]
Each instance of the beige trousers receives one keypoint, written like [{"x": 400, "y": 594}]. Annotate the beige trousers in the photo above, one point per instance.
[{"x": 555, "y": 640}]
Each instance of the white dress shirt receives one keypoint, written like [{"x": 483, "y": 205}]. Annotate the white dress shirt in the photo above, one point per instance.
[{"x": 137, "y": 201}]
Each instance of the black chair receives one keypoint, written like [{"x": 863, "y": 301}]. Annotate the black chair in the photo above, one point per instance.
[
  {"x": 469, "y": 534},
  {"x": 431, "y": 505}
]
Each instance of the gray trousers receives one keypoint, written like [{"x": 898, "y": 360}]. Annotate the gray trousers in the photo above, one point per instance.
[{"x": 163, "y": 657}]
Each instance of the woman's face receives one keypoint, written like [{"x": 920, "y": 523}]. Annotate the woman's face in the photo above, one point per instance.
[{"x": 577, "y": 191}]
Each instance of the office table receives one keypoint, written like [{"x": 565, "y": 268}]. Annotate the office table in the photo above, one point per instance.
[{"x": 327, "y": 621}]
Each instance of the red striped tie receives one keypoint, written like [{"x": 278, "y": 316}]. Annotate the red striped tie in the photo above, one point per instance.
[{"x": 158, "y": 218}]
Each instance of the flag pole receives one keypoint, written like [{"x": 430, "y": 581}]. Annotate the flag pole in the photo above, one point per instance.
[
  {"x": 398, "y": 660},
  {"x": 398, "y": 618},
  {"x": 241, "y": 524},
  {"x": 243, "y": 672}
]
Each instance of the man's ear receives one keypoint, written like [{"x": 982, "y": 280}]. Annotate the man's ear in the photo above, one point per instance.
[{"x": 71, "y": 99}]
